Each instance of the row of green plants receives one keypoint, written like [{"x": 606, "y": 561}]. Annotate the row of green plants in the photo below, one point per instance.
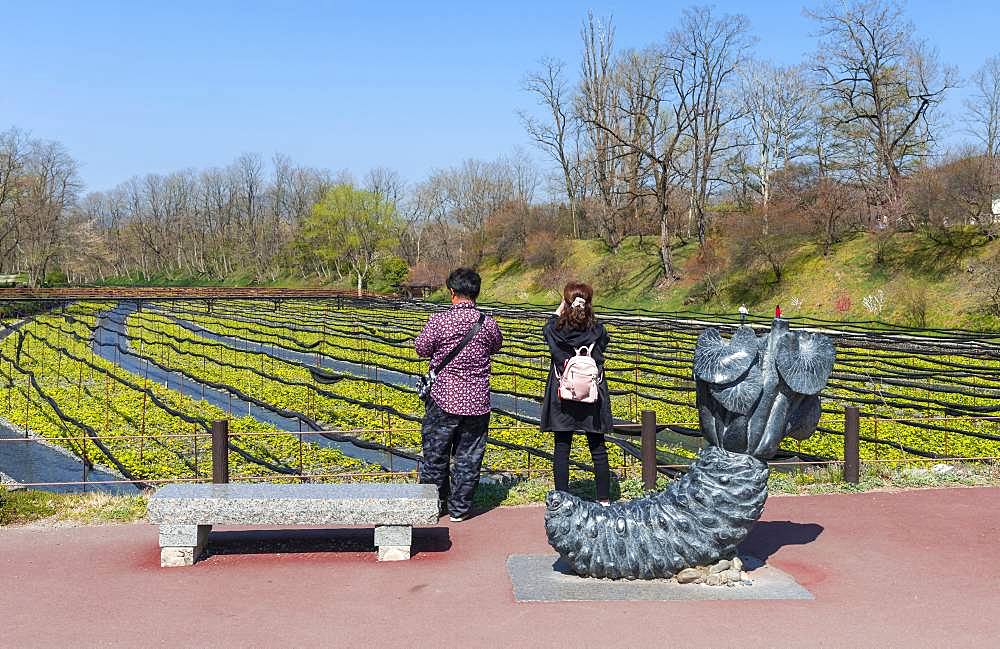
[
  {"x": 895, "y": 414},
  {"x": 147, "y": 439},
  {"x": 648, "y": 368},
  {"x": 385, "y": 413}
]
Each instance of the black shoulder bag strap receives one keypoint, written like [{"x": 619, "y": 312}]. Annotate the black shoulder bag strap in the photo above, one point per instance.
[{"x": 461, "y": 345}]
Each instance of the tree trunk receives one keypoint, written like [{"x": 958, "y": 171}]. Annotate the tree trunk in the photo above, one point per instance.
[
  {"x": 666, "y": 257},
  {"x": 765, "y": 194}
]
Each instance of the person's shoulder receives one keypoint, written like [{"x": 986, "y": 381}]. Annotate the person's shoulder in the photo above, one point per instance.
[
  {"x": 436, "y": 317},
  {"x": 597, "y": 332}
]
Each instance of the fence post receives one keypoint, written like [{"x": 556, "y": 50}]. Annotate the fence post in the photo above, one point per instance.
[
  {"x": 852, "y": 457},
  {"x": 648, "y": 449},
  {"x": 220, "y": 451}
]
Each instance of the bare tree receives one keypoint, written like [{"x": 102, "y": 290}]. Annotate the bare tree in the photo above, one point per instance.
[
  {"x": 386, "y": 183},
  {"x": 456, "y": 203},
  {"x": 51, "y": 186},
  {"x": 779, "y": 104},
  {"x": 640, "y": 80},
  {"x": 884, "y": 84},
  {"x": 708, "y": 52},
  {"x": 983, "y": 122},
  {"x": 983, "y": 107},
  {"x": 522, "y": 174},
  {"x": 647, "y": 126},
  {"x": 828, "y": 207},
  {"x": 596, "y": 107},
  {"x": 555, "y": 137},
  {"x": 13, "y": 157},
  {"x": 663, "y": 113}
]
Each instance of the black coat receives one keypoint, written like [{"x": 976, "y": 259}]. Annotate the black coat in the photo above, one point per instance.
[{"x": 559, "y": 415}]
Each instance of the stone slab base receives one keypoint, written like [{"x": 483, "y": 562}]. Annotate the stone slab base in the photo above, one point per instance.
[
  {"x": 393, "y": 535},
  {"x": 544, "y": 578},
  {"x": 176, "y": 557},
  {"x": 181, "y": 545},
  {"x": 393, "y": 552}
]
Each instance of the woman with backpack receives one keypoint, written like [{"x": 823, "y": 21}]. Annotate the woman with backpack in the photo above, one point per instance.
[{"x": 576, "y": 394}]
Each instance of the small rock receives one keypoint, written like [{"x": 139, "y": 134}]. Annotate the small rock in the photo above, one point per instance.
[
  {"x": 722, "y": 565},
  {"x": 714, "y": 580},
  {"x": 733, "y": 575},
  {"x": 941, "y": 469},
  {"x": 737, "y": 563},
  {"x": 688, "y": 576}
]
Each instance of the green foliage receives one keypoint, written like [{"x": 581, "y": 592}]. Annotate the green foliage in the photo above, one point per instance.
[
  {"x": 97, "y": 508},
  {"x": 392, "y": 271},
  {"x": 23, "y": 506},
  {"x": 350, "y": 227},
  {"x": 881, "y": 477},
  {"x": 148, "y": 440},
  {"x": 55, "y": 278}
]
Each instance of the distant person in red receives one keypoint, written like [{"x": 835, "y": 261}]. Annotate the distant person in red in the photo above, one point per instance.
[
  {"x": 572, "y": 406},
  {"x": 457, "y": 414}
]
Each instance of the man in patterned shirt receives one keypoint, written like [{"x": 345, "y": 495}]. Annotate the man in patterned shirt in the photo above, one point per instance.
[{"x": 458, "y": 412}]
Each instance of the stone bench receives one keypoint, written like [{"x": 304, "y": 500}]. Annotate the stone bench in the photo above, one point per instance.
[{"x": 186, "y": 512}]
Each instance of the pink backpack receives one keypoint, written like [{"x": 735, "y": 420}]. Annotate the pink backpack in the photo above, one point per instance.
[{"x": 580, "y": 377}]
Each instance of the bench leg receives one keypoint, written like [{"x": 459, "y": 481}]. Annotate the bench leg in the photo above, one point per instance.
[
  {"x": 181, "y": 545},
  {"x": 393, "y": 542}
]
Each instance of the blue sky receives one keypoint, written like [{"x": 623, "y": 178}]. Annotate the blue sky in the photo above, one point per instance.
[{"x": 140, "y": 87}]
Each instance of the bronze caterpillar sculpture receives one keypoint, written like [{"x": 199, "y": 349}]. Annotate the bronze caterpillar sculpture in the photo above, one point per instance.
[{"x": 750, "y": 392}]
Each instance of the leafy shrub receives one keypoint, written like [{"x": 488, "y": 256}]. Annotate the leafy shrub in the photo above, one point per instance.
[
  {"x": 392, "y": 271},
  {"x": 55, "y": 278}
]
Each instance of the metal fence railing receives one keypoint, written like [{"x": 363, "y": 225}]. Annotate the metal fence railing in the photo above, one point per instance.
[{"x": 216, "y": 446}]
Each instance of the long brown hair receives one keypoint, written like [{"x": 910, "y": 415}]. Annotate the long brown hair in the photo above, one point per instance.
[{"x": 581, "y": 317}]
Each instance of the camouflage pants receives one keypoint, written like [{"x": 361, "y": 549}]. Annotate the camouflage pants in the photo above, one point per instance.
[{"x": 447, "y": 436}]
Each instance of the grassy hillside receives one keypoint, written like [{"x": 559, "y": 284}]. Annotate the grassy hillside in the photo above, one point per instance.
[{"x": 920, "y": 282}]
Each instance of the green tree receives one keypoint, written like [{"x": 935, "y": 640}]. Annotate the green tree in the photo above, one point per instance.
[{"x": 351, "y": 228}]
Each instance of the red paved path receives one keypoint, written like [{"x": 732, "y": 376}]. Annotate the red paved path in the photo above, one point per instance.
[{"x": 915, "y": 569}]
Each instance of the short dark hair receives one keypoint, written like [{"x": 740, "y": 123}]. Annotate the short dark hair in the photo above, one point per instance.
[{"x": 465, "y": 282}]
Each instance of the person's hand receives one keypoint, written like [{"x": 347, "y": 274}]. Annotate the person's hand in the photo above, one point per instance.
[{"x": 562, "y": 307}]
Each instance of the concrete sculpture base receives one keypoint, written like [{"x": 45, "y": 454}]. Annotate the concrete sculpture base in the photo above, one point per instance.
[{"x": 546, "y": 578}]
